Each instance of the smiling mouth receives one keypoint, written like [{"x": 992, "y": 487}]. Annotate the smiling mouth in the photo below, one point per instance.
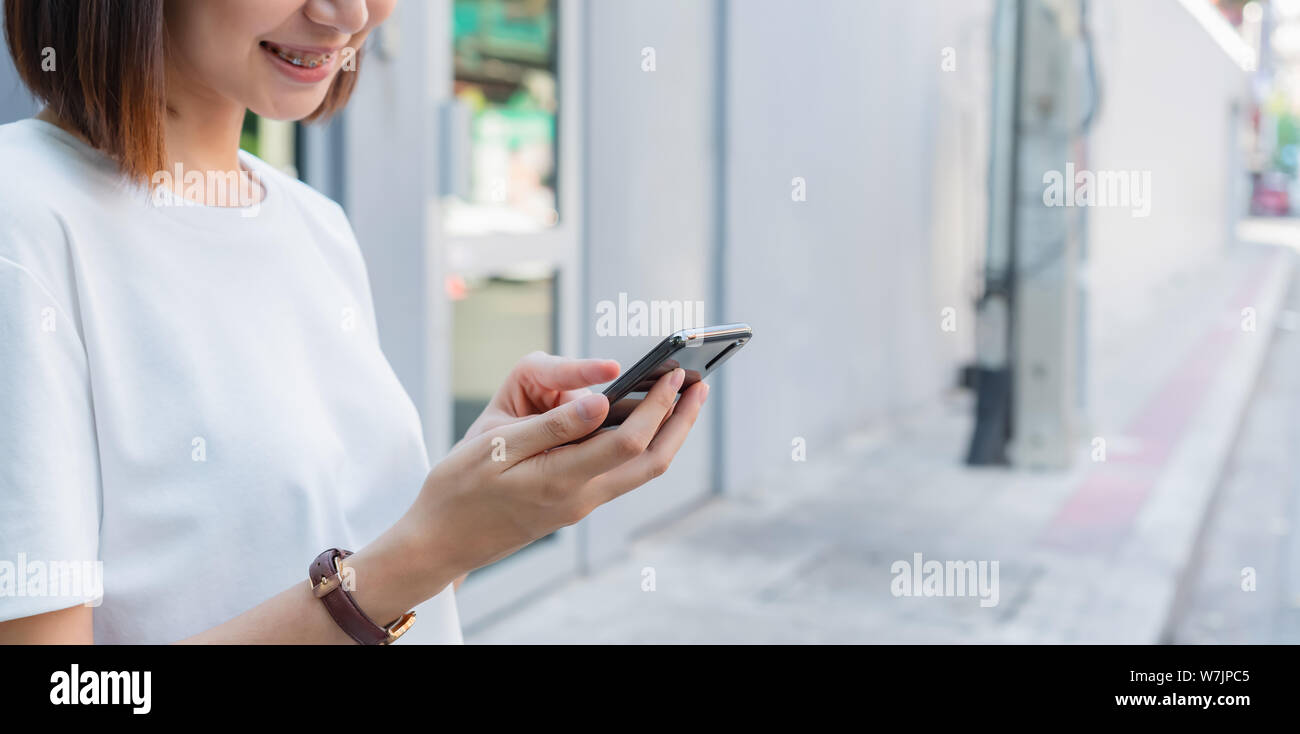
[{"x": 298, "y": 58}]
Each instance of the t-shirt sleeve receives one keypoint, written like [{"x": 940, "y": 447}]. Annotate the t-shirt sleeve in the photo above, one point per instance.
[{"x": 50, "y": 495}]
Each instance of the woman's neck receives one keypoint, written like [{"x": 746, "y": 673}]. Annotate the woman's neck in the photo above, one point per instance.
[
  {"x": 203, "y": 131},
  {"x": 202, "y": 136},
  {"x": 204, "y": 139}
]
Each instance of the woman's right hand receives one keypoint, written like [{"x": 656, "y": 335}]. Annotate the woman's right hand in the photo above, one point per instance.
[{"x": 516, "y": 483}]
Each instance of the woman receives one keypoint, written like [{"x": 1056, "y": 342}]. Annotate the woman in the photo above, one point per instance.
[{"x": 191, "y": 386}]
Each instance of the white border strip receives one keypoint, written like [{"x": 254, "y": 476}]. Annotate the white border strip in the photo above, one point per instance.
[{"x": 1222, "y": 32}]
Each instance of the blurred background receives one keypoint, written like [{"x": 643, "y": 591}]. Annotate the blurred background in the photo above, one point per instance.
[{"x": 1019, "y": 274}]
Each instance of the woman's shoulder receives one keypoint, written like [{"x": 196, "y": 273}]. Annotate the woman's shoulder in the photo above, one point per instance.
[
  {"x": 34, "y": 175},
  {"x": 40, "y": 158},
  {"x": 46, "y": 173},
  {"x": 25, "y": 140}
]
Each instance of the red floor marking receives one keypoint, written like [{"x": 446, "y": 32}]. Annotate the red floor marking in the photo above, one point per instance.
[{"x": 1100, "y": 512}]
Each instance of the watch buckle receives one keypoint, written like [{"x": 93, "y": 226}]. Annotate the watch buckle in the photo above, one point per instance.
[{"x": 399, "y": 627}]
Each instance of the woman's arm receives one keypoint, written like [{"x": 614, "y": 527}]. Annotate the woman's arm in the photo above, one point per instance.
[
  {"x": 71, "y": 626},
  {"x": 473, "y": 509},
  {"x": 392, "y": 575},
  {"x": 390, "y": 580}
]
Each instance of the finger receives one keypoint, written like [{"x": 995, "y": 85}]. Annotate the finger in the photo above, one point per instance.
[
  {"x": 562, "y": 373},
  {"x": 673, "y": 433},
  {"x": 609, "y": 449},
  {"x": 659, "y": 454},
  {"x": 669, "y": 414},
  {"x": 569, "y": 396},
  {"x": 555, "y": 427},
  {"x": 618, "y": 412}
]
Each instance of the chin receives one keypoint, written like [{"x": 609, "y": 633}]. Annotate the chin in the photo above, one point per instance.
[{"x": 289, "y": 111}]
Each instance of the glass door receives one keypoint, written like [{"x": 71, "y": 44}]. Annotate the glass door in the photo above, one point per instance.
[{"x": 508, "y": 226}]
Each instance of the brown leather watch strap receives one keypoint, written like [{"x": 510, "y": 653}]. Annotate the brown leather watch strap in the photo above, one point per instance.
[{"x": 328, "y": 586}]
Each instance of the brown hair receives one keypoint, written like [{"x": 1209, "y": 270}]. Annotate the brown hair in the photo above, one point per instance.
[{"x": 107, "y": 79}]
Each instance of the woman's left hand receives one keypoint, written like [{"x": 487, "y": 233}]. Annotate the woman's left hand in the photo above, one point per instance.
[{"x": 539, "y": 383}]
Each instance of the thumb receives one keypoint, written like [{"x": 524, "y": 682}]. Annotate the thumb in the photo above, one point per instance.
[{"x": 556, "y": 427}]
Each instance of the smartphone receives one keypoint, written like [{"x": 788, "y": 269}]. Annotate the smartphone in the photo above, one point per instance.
[{"x": 697, "y": 351}]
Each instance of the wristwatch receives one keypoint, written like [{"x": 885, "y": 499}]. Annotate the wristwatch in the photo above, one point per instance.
[{"x": 327, "y": 585}]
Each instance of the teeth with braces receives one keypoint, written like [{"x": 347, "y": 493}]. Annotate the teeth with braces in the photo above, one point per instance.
[{"x": 305, "y": 63}]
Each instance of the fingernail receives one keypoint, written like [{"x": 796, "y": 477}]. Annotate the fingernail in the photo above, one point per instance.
[
  {"x": 679, "y": 375},
  {"x": 589, "y": 406},
  {"x": 704, "y": 394}
]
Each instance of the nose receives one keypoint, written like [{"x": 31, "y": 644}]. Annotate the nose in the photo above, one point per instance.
[{"x": 346, "y": 16}]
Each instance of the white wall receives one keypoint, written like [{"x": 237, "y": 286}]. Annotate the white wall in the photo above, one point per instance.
[
  {"x": 651, "y": 206},
  {"x": 15, "y": 102},
  {"x": 1166, "y": 100},
  {"x": 844, "y": 290}
]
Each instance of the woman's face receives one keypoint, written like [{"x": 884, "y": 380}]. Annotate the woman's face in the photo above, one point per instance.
[{"x": 275, "y": 57}]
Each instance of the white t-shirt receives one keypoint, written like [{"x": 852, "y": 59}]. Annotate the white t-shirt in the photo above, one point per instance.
[{"x": 191, "y": 395}]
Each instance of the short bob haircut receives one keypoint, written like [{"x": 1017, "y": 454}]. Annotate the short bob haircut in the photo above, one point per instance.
[{"x": 98, "y": 65}]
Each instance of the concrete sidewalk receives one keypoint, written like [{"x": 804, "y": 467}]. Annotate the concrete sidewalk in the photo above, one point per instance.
[
  {"x": 1091, "y": 555},
  {"x": 1253, "y": 533}
]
